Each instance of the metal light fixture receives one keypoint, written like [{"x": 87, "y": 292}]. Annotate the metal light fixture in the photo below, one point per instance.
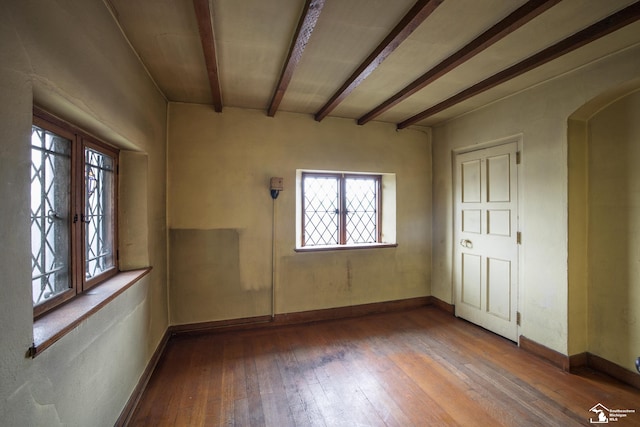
[{"x": 276, "y": 185}]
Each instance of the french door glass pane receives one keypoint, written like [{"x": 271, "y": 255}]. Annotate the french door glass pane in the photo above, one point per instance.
[
  {"x": 50, "y": 210},
  {"x": 98, "y": 214},
  {"x": 321, "y": 209},
  {"x": 361, "y": 204}
]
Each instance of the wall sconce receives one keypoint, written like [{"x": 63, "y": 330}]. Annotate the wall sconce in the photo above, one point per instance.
[{"x": 276, "y": 186}]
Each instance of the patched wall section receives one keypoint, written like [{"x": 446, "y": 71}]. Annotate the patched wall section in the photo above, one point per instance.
[{"x": 205, "y": 277}]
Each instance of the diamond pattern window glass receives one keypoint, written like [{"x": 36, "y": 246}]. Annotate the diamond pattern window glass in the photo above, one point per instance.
[
  {"x": 361, "y": 204},
  {"x": 340, "y": 209},
  {"x": 99, "y": 179},
  {"x": 321, "y": 210},
  {"x": 73, "y": 212},
  {"x": 50, "y": 207}
]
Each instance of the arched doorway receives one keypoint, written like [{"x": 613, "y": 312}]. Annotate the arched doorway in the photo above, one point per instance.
[{"x": 604, "y": 227}]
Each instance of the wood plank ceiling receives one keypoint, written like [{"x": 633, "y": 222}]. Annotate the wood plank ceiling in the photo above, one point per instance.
[{"x": 404, "y": 62}]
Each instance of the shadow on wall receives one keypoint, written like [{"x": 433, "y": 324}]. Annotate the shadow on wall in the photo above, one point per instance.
[{"x": 604, "y": 228}]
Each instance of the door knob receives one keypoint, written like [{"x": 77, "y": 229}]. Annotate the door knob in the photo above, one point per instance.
[{"x": 466, "y": 243}]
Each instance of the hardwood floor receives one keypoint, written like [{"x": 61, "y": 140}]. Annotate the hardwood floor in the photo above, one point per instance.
[{"x": 421, "y": 367}]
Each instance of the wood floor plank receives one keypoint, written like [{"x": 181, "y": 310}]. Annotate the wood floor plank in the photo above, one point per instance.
[
  {"x": 302, "y": 404},
  {"x": 195, "y": 392},
  {"x": 531, "y": 371},
  {"x": 345, "y": 389},
  {"x": 454, "y": 366},
  {"x": 496, "y": 400},
  {"x": 234, "y": 390},
  {"x": 271, "y": 386},
  {"x": 398, "y": 400},
  {"x": 213, "y": 412},
  {"x": 327, "y": 390},
  {"x": 413, "y": 368},
  {"x": 453, "y": 396},
  {"x": 241, "y": 414},
  {"x": 177, "y": 377},
  {"x": 254, "y": 402}
]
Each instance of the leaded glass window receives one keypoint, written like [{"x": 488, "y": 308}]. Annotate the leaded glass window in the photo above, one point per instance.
[
  {"x": 361, "y": 203},
  {"x": 99, "y": 179},
  {"x": 321, "y": 210},
  {"x": 340, "y": 209},
  {"x": 50, "y": 207},
  {"x": 73, "y": 207}
]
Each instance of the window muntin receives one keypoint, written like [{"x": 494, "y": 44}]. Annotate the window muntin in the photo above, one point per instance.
[
  {"x": 361, "y": 208},
  {"x": 50, "y": 208},
  {"x": 99, "y": 190},
  {"x": 321, "y": 201},
  {"x": 340, "y": 209},
  {"x": 73, "y": 212}
]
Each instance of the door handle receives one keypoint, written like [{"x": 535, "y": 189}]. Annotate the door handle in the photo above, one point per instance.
[{"x": 466, "y": 243}]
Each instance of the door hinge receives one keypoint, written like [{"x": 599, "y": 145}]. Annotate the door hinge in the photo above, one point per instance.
[
  {"x": 519, "y": 238},
  {"x": 518, "y": 157},
  {"x": 518, "y": 318}
]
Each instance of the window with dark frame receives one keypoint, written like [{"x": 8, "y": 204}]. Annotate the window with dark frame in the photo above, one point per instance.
[
  {"x": 73, "y": 212},
  {"x": 340, "y": 209}
]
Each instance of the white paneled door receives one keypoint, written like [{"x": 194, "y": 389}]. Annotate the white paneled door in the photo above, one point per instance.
[{"x": 485, "y": 238}]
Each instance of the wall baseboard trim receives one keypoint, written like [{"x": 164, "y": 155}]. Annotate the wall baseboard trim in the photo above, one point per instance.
[
  {"x": 351, "y": 311},
  {"x": 221, "y": 325},
  {"x": 579, "y": 361},
  {"x": 613, "y": 370},
  {"x": 556, "y": 358},
  {"x": 444, "y": 306},
  {"x": 302, "y": 317},
  {"x": 136, "y": 395}
]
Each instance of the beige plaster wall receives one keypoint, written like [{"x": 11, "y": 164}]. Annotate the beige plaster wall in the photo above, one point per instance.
[
  {"x": 540, "y": 115},
  {"x": 220, "y": 213},
  {"x": 70, "y": 58},
  {"x": 614, "y": 232},
  {"x": 578, "y": 260}
]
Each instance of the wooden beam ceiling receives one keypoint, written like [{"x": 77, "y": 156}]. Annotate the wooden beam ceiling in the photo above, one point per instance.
[
  {"x": 418, "y": 13},
  {"x": 306, "y": 25},
  {"x": 512, "y": 22},
  {"x": 600, "y": 29},
  {"x": 207, "y": 38}
]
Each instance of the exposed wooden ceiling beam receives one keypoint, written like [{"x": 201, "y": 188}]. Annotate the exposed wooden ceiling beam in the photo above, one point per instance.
[
  {"x": 515, "y": 20},
  {"x": 207, "y": 38},
  {"x": 418, "y": 13},
  {"x": 600, "y": 29},
  {"x": 307, "y": 23}
]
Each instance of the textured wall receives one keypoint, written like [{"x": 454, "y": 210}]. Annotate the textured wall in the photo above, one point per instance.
[
  {"x": 540, "y": 115},
  {"x": 70, "y": 58},
  {"x": 219, "y": 201},
  {"x": 614, "y": 232}
]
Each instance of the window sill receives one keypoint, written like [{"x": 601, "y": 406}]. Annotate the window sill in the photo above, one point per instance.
[
  {"x": 54, "y": 325},
  {"x": 345, "y": 247}
]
